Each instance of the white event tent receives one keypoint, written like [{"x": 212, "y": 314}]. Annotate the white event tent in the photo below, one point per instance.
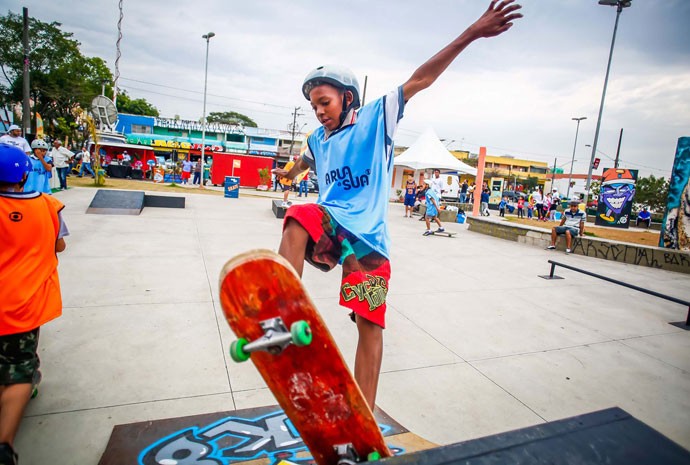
[{"x": 429, "y": 153}]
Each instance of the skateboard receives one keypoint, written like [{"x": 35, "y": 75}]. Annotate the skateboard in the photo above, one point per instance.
[
  {"x": 279, "y": 328},
  {"x": 444, "y": 233}
]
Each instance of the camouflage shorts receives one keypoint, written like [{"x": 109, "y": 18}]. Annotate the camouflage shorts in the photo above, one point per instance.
[{"x": 18, "y": 357}]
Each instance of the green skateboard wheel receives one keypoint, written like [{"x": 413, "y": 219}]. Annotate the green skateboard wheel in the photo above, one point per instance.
[
  {"x": 237, "y": 352},
  {"x": 301, "y": 333},
  {"x": 374, "y": 456}
]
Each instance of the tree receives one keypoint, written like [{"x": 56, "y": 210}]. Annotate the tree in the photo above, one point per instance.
[
  {"x": 230, "y": 117},
  {"x": 652, "y": 192},
  {"x": 139, "y": 106},
  {"x": 63, "y": 81}
]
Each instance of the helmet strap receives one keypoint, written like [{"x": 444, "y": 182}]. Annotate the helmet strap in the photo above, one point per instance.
[{"x": 346, "y": 108}]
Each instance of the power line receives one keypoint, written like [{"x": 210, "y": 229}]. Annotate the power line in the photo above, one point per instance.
[
  {"x": 199, "y": 101},
  {"x": 210, "y": 95}
]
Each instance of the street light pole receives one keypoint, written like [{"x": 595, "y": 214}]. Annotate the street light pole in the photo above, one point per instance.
[
  {"x": 570, "y": 178},
  {"x": 203, "y": 118},
  {"x": 620, "y": 4}
]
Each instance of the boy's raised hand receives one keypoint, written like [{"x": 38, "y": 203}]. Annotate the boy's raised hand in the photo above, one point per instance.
[{"x": 496, "y": 19}]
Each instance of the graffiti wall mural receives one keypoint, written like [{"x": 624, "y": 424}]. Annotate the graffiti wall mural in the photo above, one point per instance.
[
  {"x": 616, "y": 197},
  {"x": 675, "y": 229}
]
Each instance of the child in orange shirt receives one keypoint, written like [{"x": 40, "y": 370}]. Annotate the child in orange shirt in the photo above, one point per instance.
[{"x": 32, "y": 231}]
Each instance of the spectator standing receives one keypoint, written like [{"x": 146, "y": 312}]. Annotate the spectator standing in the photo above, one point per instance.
[
  {"x": 14, "y": 137},
  {"x": 197, "y": 172},
  {"x": 521, "y": 207},
  {"x": 538, "y": 202},
  {"x": 410, "y": 194},
  {"x": 38, "y": 179},
  {"x": 484, "y": 208},
  {"x": 85, "y": 163},
  {"x": 470, "y": 193},
  {"x": 303, "y": 184},
  {"x": 437, "y": 183},
  {"x": 463, "y": 191},
  {"x": 555, "y": 201},
  {"x": 187, "y": 166},
  {"x": 546, "y": 207},
  {"x": 502, "y": 206},
  {"x": 62, "y": 158}
]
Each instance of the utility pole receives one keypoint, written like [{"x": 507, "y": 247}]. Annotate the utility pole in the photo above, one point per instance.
[
  {"x": 364, "y": 93},
  {"x": 553, "y": 173},
  {"x": 618, "y": 152},
  {"x": 26, "y": 107},
  {"x": 620, "y": 4},
  {"x": 294, "y": 127}
]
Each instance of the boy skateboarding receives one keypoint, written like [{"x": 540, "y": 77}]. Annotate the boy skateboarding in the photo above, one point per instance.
[
  {"x": 432, "y": 210},
  {"x": 352, "y": 155}
]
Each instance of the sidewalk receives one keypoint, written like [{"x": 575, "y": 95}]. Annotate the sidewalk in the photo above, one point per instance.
[{"x": 476, "y": 343}]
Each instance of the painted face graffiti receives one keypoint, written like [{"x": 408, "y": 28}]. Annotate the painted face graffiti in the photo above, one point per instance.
[{"x": 617, "y": 195}]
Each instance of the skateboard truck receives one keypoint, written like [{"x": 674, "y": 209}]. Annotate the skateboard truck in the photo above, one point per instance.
[
  {"x": 275, "y": 339},
  {"x": 347, "y": 455}
]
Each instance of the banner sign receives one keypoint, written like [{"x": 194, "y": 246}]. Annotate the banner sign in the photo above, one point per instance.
[
  {"x": 616, "y": 197},
  {"x": 675, "y": 229}
]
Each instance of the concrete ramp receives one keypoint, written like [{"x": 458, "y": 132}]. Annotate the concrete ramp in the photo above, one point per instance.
[
  {"x": 112, "y": 202},
  {"x": 163, "y": 201}
]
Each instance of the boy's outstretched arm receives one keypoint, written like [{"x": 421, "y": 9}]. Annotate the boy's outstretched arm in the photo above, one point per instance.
[{"x": 496, "y": 20}]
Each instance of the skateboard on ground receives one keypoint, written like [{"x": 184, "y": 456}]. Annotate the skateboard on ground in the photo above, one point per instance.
[
  {"x": 444, "y": 233},
  {"x": 279, "y": 328}
]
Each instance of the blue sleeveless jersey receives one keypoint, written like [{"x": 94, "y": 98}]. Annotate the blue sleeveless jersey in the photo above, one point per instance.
[{"x": 354, "y": 165}]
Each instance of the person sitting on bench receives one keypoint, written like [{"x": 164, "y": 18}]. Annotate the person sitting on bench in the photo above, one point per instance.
[
  {"x": 644, "y": 217},
  {"x": 572, "y": 225}
]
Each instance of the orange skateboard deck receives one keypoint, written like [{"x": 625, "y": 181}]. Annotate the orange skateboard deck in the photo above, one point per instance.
[{"x": 270, "y": 312}]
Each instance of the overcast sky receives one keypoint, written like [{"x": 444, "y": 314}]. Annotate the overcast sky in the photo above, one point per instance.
[{"x": 515, "y": 94}]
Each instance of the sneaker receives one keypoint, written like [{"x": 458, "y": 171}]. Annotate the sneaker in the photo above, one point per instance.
[
  {"x": 567, "y": 251},
  {"x": 428, "y": 233},
  {"x": 551, "y": 247},
  {"x": 8, "y": 455},
  {"x": 284, "y": 205},
  {"x": 440, "y": 230}
]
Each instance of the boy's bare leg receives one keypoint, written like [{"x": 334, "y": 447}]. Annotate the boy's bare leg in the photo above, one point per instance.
[
  {"x": 368, "y": 358},
  {"x": 13, "y": 400},
  {"x": 428, "y": 224},
  {"x": 568, "y": 238},
  {"x": 293, "y": 245}
]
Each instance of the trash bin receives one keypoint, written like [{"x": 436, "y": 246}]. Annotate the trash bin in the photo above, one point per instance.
[
  {"x": 461, "y": 217},
  {"x": 232, "y": 187}
]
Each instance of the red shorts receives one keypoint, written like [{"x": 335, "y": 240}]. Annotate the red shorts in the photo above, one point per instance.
[
  {"x": 366, "y": 273},
  {"x": 185, "y": 174}
]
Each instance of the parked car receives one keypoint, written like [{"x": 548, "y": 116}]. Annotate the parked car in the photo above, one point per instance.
[
  {"x": 513, "y": 196},
  {"x": 313, "y": 184}
]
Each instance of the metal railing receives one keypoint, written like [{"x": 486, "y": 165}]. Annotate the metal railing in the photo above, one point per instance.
[{"x": 620, "y": 283}]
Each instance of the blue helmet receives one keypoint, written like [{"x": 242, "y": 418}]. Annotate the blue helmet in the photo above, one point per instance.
[{"x": 14, "y": 164}]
